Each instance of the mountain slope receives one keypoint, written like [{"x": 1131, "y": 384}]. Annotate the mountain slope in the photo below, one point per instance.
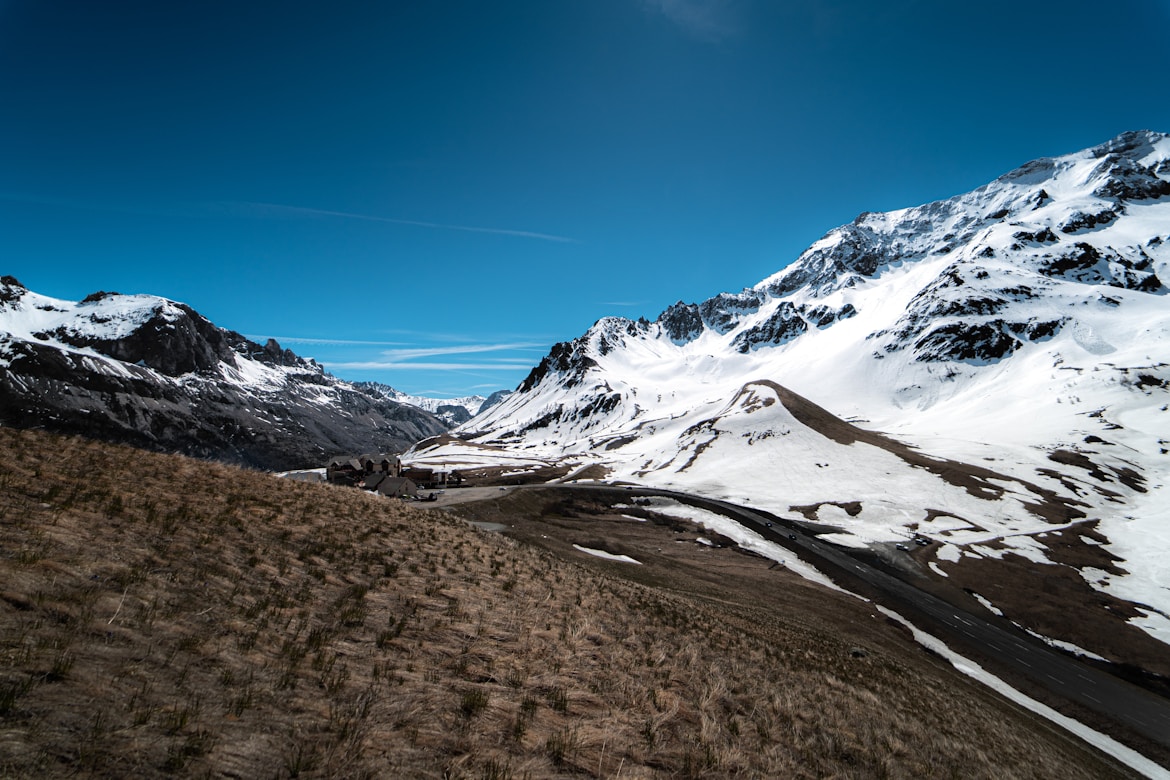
[
  {"x": 154, "y": 373},
  {"x": 161, "y": 617},
  {"x": 1023, "y": 326}
]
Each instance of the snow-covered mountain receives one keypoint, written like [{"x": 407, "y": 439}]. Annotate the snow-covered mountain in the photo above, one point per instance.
[
  {"x": 1011, "y": 345},
  {"x": 453, "y": 411},
  {"x": 154, "y": 373}
]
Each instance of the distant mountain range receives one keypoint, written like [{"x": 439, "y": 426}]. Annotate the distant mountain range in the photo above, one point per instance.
[
  {"x": 1011, "y": 345},
  {"x": 452, "y": 411},
  {"x": 156, "y": 374}
]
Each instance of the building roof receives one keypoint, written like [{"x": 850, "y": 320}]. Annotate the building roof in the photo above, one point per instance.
[{"x": 397, "y": 486}]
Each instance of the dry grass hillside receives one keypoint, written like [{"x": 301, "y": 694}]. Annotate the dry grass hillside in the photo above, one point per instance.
[{"x": 163, "y": 616}]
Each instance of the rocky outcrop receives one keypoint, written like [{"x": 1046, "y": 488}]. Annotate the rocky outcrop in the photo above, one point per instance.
[{"x": 682, "y": 322}]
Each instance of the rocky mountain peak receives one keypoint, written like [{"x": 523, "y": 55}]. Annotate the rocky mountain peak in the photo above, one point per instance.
[
  {"x": 11, "y": 290},
  {"x": 681, "y": 322},
  {"x": 156, "y": 373},
  {"x": 1132, "y": 143},
  {"x": 568, "y": 360}
]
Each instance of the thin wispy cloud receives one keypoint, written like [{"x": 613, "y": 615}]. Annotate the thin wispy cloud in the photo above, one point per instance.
[
  {"x": 455, "y": 338},
  {"x": 324, "y": 342},
  {"x": 466, "y": 349},
  {"x": 713, "y": 20},
  {"x": 415, "y": 358},
  {"x": 375, "y": 365},
  {"x": 282, "y": 210}
]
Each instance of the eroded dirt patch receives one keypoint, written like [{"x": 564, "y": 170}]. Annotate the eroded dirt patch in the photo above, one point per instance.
[{"x": 809, "y": 511}]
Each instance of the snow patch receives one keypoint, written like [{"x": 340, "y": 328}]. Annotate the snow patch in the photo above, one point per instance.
[
  {"x": 987, "y": 605},
  {"x": 605, "y": 555}
]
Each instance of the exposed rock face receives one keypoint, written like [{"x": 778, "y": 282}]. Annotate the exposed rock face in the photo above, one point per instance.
[
  {"x": 156, "y": 374},
  {"x": 567, "y": 360},
  {"x": 726, "y": 310},
  {"x": 783, "y": 326},
  {"x": 1126, "y": 179},
  {"x": 181, "y": 343},
  {"x": 492, "y": 400}
]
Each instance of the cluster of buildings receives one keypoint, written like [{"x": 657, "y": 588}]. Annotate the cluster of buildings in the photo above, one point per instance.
[{"x": 386, "y": 475}]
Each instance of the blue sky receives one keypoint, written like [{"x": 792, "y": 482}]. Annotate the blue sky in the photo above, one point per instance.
[{"x": 432, "y": 194}]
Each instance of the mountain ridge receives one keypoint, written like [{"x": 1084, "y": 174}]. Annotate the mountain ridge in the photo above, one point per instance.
[
  {"x": 152, "y": 372},
  {"x": 925, "y": 325},
  {"x": 453, "y": 411}
]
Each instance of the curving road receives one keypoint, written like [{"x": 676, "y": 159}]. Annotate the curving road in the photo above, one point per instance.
[{"x": 1135, "y": 709}]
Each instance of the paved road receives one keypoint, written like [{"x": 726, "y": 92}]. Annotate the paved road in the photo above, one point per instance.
[{"x": 1136, "y": 709}]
